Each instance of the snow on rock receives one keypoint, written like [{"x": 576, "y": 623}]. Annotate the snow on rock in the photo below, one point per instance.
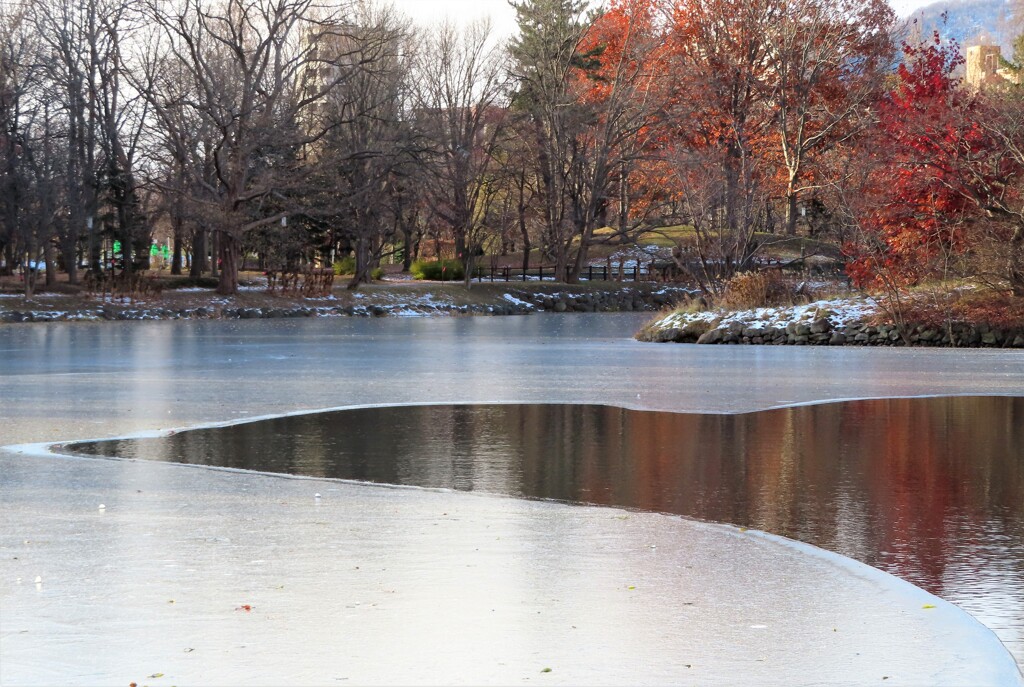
[
  {"x": 838, "y": 312},
  {"x": 515, "y": 301}
]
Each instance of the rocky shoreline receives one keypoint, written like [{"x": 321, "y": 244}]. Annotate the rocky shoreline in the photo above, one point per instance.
[
  {"x": 394, "y": 303},
  {"x": 824, "y": 323},
  {"x": 822, "y": 332}
]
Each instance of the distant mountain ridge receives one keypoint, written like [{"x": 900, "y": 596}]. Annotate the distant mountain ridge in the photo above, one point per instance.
[{"x": 968, "y": 22}]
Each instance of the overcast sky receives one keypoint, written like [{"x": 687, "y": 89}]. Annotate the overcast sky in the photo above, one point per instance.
[{"x": 504, "y": 17}]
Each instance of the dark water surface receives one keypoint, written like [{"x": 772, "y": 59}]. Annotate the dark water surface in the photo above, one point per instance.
[{"x": 931, "y": 490}]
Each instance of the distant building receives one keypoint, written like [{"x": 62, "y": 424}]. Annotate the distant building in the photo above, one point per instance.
[{"x": 986, "y": 68}]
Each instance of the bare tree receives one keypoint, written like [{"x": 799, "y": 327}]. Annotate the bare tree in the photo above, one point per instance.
[
  {"x": 545, "y": 54},
  {"x": 459, "y": 105},
  {"x": 12, "y": 47},
  {"x": 257, "y": 76},
  {"x": 623, "y": 86},
  {"x": 590, "y": 87},
  {"x": 28, "y": 170},
  {"x": 362, "y": 196},
  {"x": 827, "y": 60}
]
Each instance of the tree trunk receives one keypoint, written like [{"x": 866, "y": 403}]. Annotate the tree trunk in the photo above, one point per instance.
[
  {"x": 790, "y": 210},
  {"x": 406, "y": 250},
  {"x": 198, "y": 253},
  {"x": 95, "y": 251},
  {"x": 362, "y": 251},
  {"x": 177, "y": 248},
  {"x": 229, "y": 253},
  {"x": 29, "y": 272},
  {"x": 8, "y": 260},
  {"x": 50, "y": 256},
  {"x": 1015, "y": 262},
  {"x": 215, "y": 263},
  {"x": 561, "y": 261},
  {"x": 573, "y": 275},
  {"x": 524, "y": 231},
  {"x": 69, "y": 247}
]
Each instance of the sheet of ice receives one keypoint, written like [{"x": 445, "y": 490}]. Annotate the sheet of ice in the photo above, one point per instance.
[
  {"x": 228, "y": 578},
  {"x": 382, "y": 585}
]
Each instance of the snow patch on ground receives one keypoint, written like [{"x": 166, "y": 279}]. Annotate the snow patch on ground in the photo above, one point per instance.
[
  {"x": 839, "y": 312},
  {"x": 515, "y": 301},
  {"x": 634, "y": 256}
]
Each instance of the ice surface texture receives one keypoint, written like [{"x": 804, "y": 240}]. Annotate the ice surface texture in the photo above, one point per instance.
[{"x": 224, "y": 578}]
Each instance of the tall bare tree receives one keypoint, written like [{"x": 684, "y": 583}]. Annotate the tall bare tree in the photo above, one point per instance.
[
  {"x": 828, "y": 60},
  {"x": 257, "y": 75},
  {"x": 461, "y": 86},
  {"x": 371, "y": 148},
  {"x": 16, "y": 78},
  {"x": 545, "y": 54}
]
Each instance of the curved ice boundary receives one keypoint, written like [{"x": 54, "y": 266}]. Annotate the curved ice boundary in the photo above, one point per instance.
[{"x": 770, "y": 598}]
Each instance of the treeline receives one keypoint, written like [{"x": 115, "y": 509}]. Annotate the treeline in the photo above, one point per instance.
[{"x": 293, "y": 133}]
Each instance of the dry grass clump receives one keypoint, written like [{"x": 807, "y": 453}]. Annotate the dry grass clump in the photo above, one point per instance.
[
  {"x": 759, "y": 289},
  {"x": 981, "y": 306}
]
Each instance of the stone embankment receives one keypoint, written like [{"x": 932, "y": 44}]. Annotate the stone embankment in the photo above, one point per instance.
[
  {"x": 822, "y": 332},
  {"x": 512, "y": 301}
]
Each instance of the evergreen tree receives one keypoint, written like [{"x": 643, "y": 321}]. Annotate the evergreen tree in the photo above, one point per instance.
[{"x": 545, "y": 55}]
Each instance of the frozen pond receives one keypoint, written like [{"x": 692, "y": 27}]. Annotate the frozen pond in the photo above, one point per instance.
[
  {"x": 69, "y": 381},
  {"x": 928, "y": 489}
]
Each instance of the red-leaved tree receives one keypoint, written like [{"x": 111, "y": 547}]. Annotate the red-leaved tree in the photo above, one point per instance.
[{"x": 946, "y": 196}]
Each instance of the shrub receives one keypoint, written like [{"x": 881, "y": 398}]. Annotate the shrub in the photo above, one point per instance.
[
  {"x": 191, "y": 283},
  {"x": 346, "y": 265},
  {"x": 759, "y": 289},
  {"x": 437, "y": 270},
  {"x": 377, "y": 274},
  {"x": 66, "y": 289}
]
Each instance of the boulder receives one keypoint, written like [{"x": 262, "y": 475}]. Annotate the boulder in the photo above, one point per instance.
[
  {"x": 711, "y": 336},
  {"x": 821, "y": 326},
  {"x": 666, "y": 335}
]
